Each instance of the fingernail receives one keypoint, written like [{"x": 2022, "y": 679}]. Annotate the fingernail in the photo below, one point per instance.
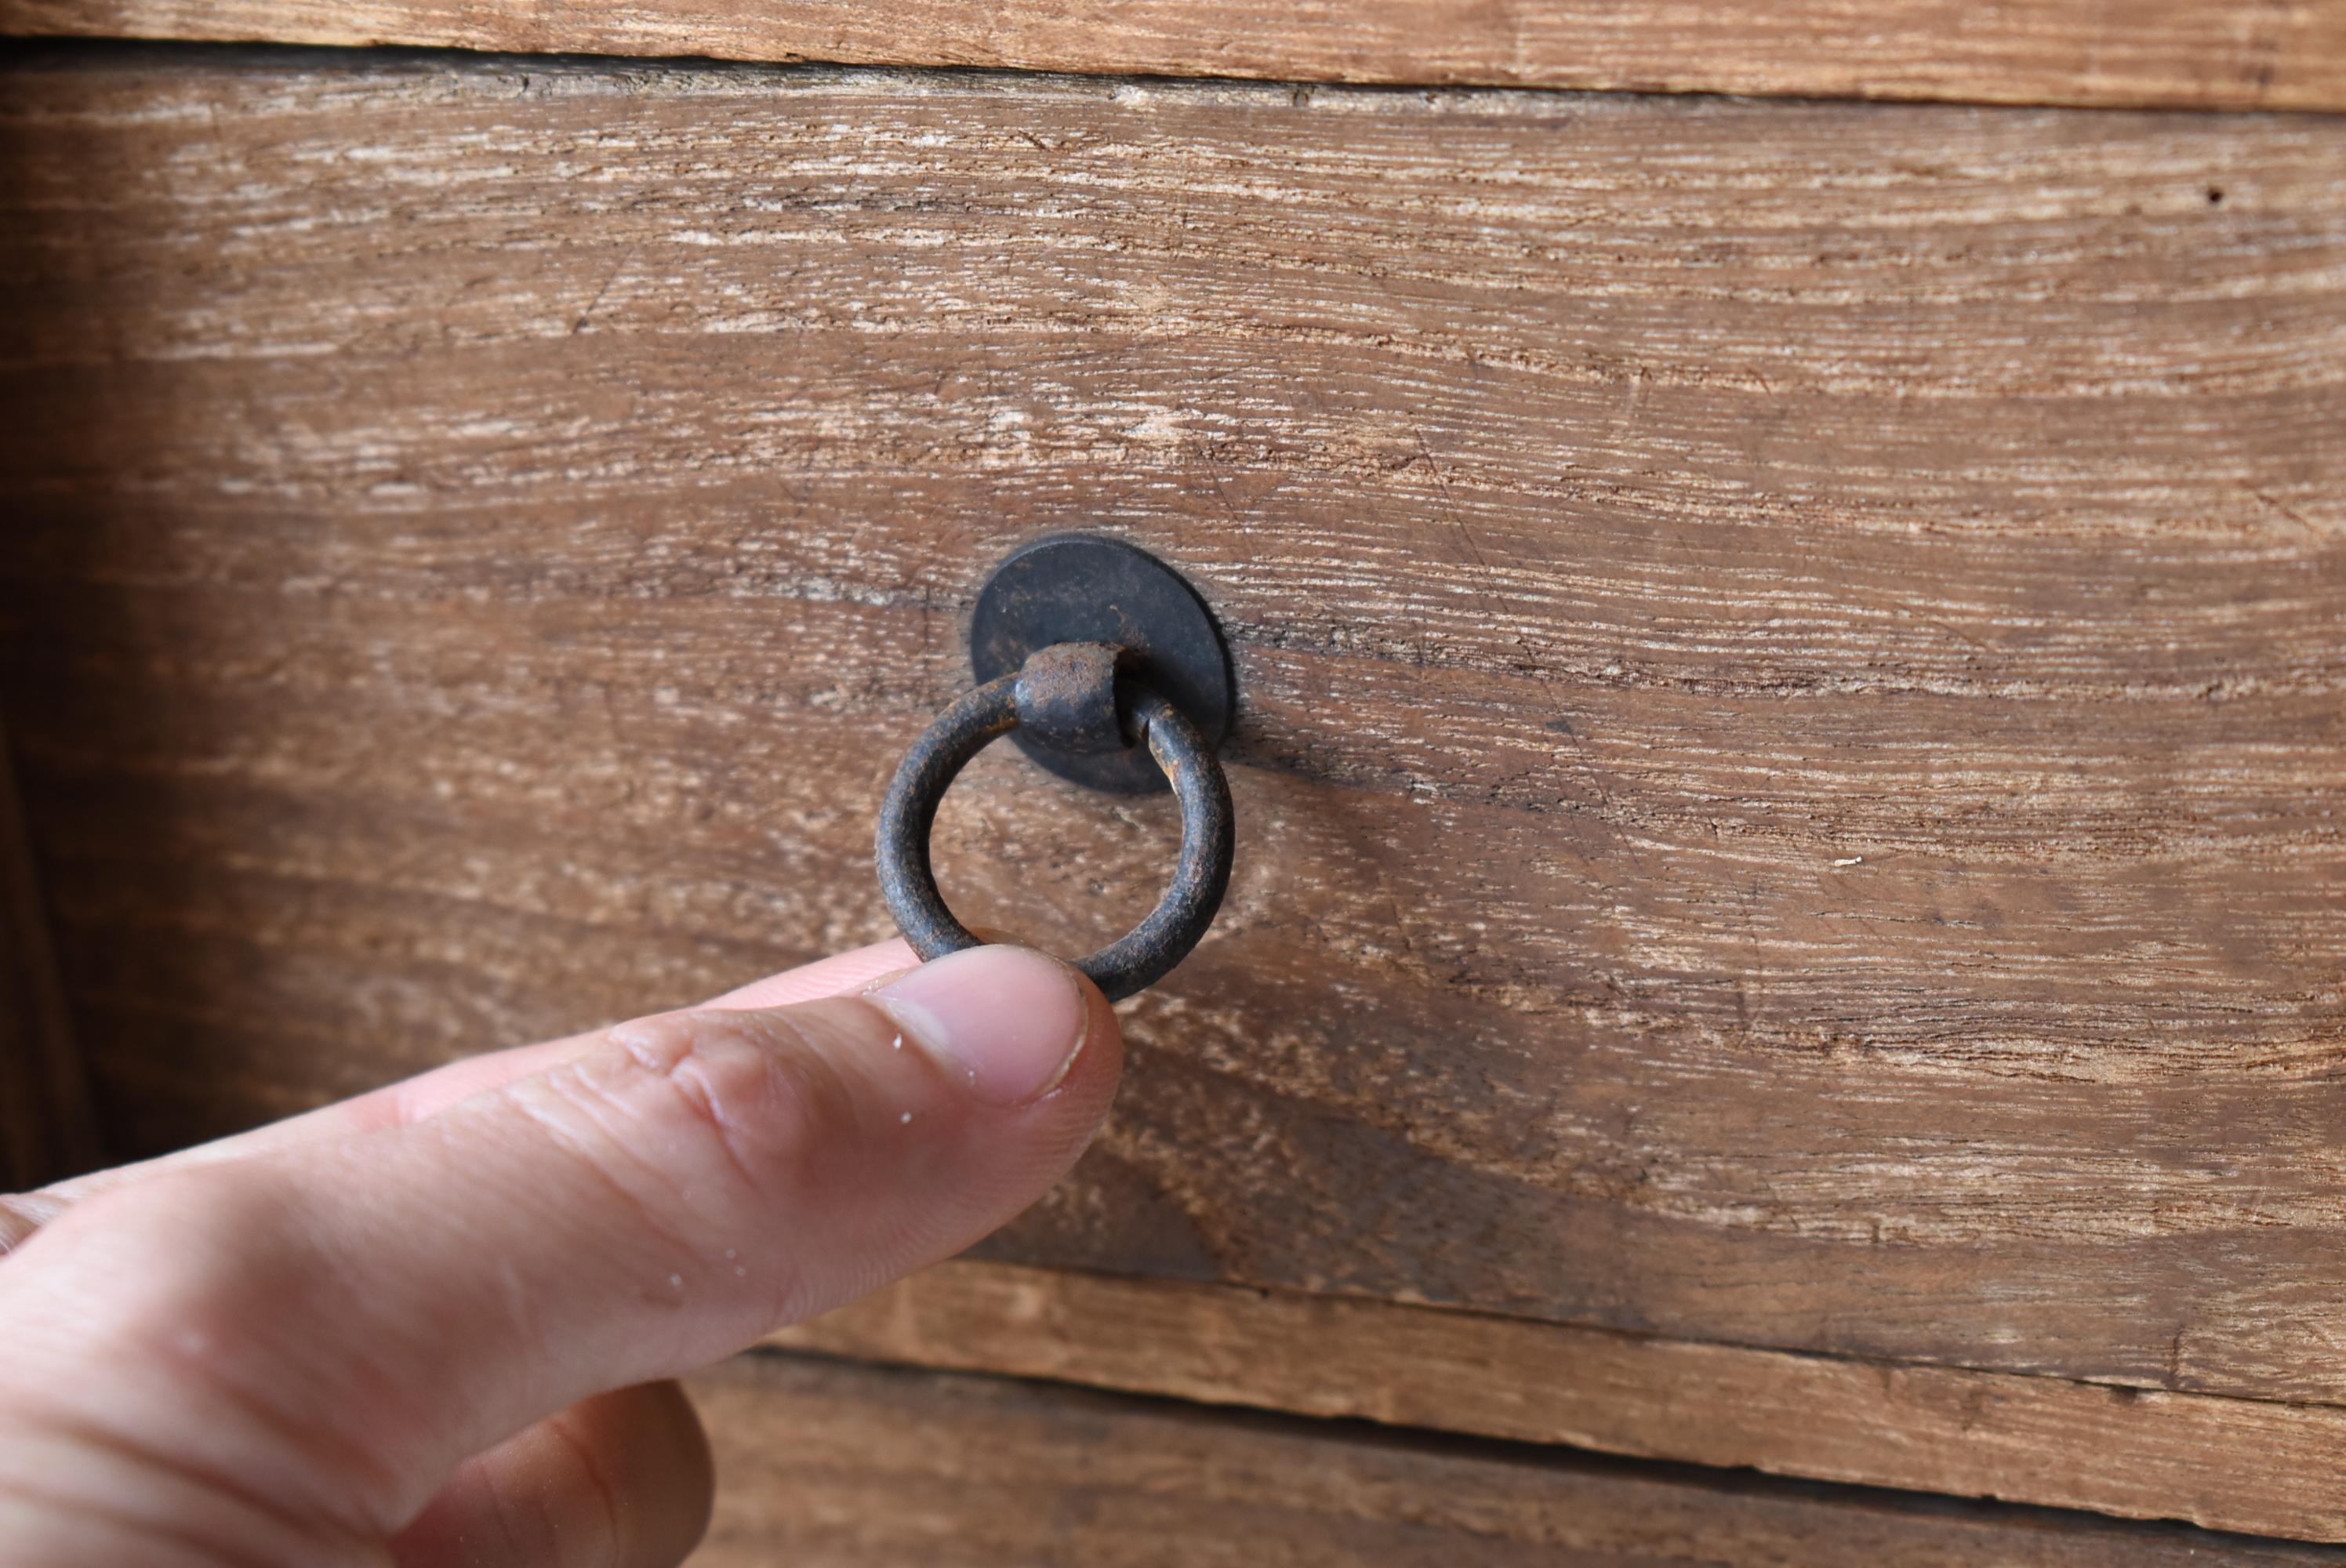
[{"x": 1004, "y": 1022}]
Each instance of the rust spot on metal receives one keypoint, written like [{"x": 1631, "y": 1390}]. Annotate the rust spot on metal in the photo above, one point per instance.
[{"x": 1067, "y": 699}]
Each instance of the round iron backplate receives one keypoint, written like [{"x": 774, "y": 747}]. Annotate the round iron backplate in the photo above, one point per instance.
[{"x": 1084, "y": 588}]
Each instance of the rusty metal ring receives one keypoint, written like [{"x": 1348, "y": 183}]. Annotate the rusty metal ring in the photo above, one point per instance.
[{"x": 1150, "y": 950}]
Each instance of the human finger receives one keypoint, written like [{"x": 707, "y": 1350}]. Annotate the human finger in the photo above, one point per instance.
[
  {"x": 412, "y": 1099},
  {"x": 649, "y": 1205},
  {"x": 622, "y": 1480}
]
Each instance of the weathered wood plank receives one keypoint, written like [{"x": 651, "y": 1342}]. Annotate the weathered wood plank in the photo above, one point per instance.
[
  {"x": 1790, "y": 653},
  {"x": 824, "y": 1463},
  {"x": 2115, "y": 1451},
  {"x": 2183, "y": 54}
]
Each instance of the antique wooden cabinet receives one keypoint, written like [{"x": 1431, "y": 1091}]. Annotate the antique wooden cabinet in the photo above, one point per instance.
[{"x": 1791, "y": 908}]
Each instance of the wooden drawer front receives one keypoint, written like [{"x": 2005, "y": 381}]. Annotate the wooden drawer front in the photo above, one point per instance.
[
  {"x": 824, "y": 1463},
  {"x": 1790, "y": 653}
]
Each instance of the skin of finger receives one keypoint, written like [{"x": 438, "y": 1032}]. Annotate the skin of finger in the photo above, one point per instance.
[
  {"x": 71, "y": 1496},
  {"x": 414, "y": 1099},
  {"x": 637, "y": 1212},
  {"x": 622, "y": 1479},
  {"x": 840, "y": 976}
]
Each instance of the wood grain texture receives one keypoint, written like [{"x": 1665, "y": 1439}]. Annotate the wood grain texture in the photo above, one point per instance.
[
  {"x": 48, "y": 1128},
  {"x": 826, "y": 1463},
  {"x": 1789, "y": 654},
  {"x": 2186, "y": 54},
  {"x": 2139, "y": 1455}
]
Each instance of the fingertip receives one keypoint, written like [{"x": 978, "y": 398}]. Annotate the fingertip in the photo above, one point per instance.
[
  {"x": 1009, "y": 1023},
  {"x": 1098, "y": 1067}
]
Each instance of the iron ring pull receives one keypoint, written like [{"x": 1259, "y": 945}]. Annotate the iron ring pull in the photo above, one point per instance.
[{"x": 1074, "y": 696}]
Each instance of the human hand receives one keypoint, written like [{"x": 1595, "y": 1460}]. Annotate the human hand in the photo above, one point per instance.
[{"x": 427, "y": 1326}]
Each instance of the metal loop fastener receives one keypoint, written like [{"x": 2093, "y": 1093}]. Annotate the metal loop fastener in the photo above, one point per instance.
[{"x": 1054, "y": 700}]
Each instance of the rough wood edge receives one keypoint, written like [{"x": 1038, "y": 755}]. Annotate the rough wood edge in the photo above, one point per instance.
[
  {"x": 813, "y": 1465},
  {"x": 2243, "y": 1465},
  {"x": 48, "y": 1124},
  {"x": 2174, "y": 54}
]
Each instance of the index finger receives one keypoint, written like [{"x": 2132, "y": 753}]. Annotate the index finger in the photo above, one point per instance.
[
  {"x": 334, "y": 1323},
  {"x": 411, "y": 1100}
]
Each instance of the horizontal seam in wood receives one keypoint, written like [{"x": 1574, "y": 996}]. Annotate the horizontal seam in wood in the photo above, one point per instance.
[
  {"x": 1369, "y": 1432},
  {"x": 26, "y": 47},
  {"x": 1273, "y": 1293}
]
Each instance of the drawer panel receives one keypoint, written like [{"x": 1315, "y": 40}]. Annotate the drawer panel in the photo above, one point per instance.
[
  {"x": 824, "y": 1463},
  {"x": 1789, "y": 654},
  {"x": 2258, "y": 1466}
]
